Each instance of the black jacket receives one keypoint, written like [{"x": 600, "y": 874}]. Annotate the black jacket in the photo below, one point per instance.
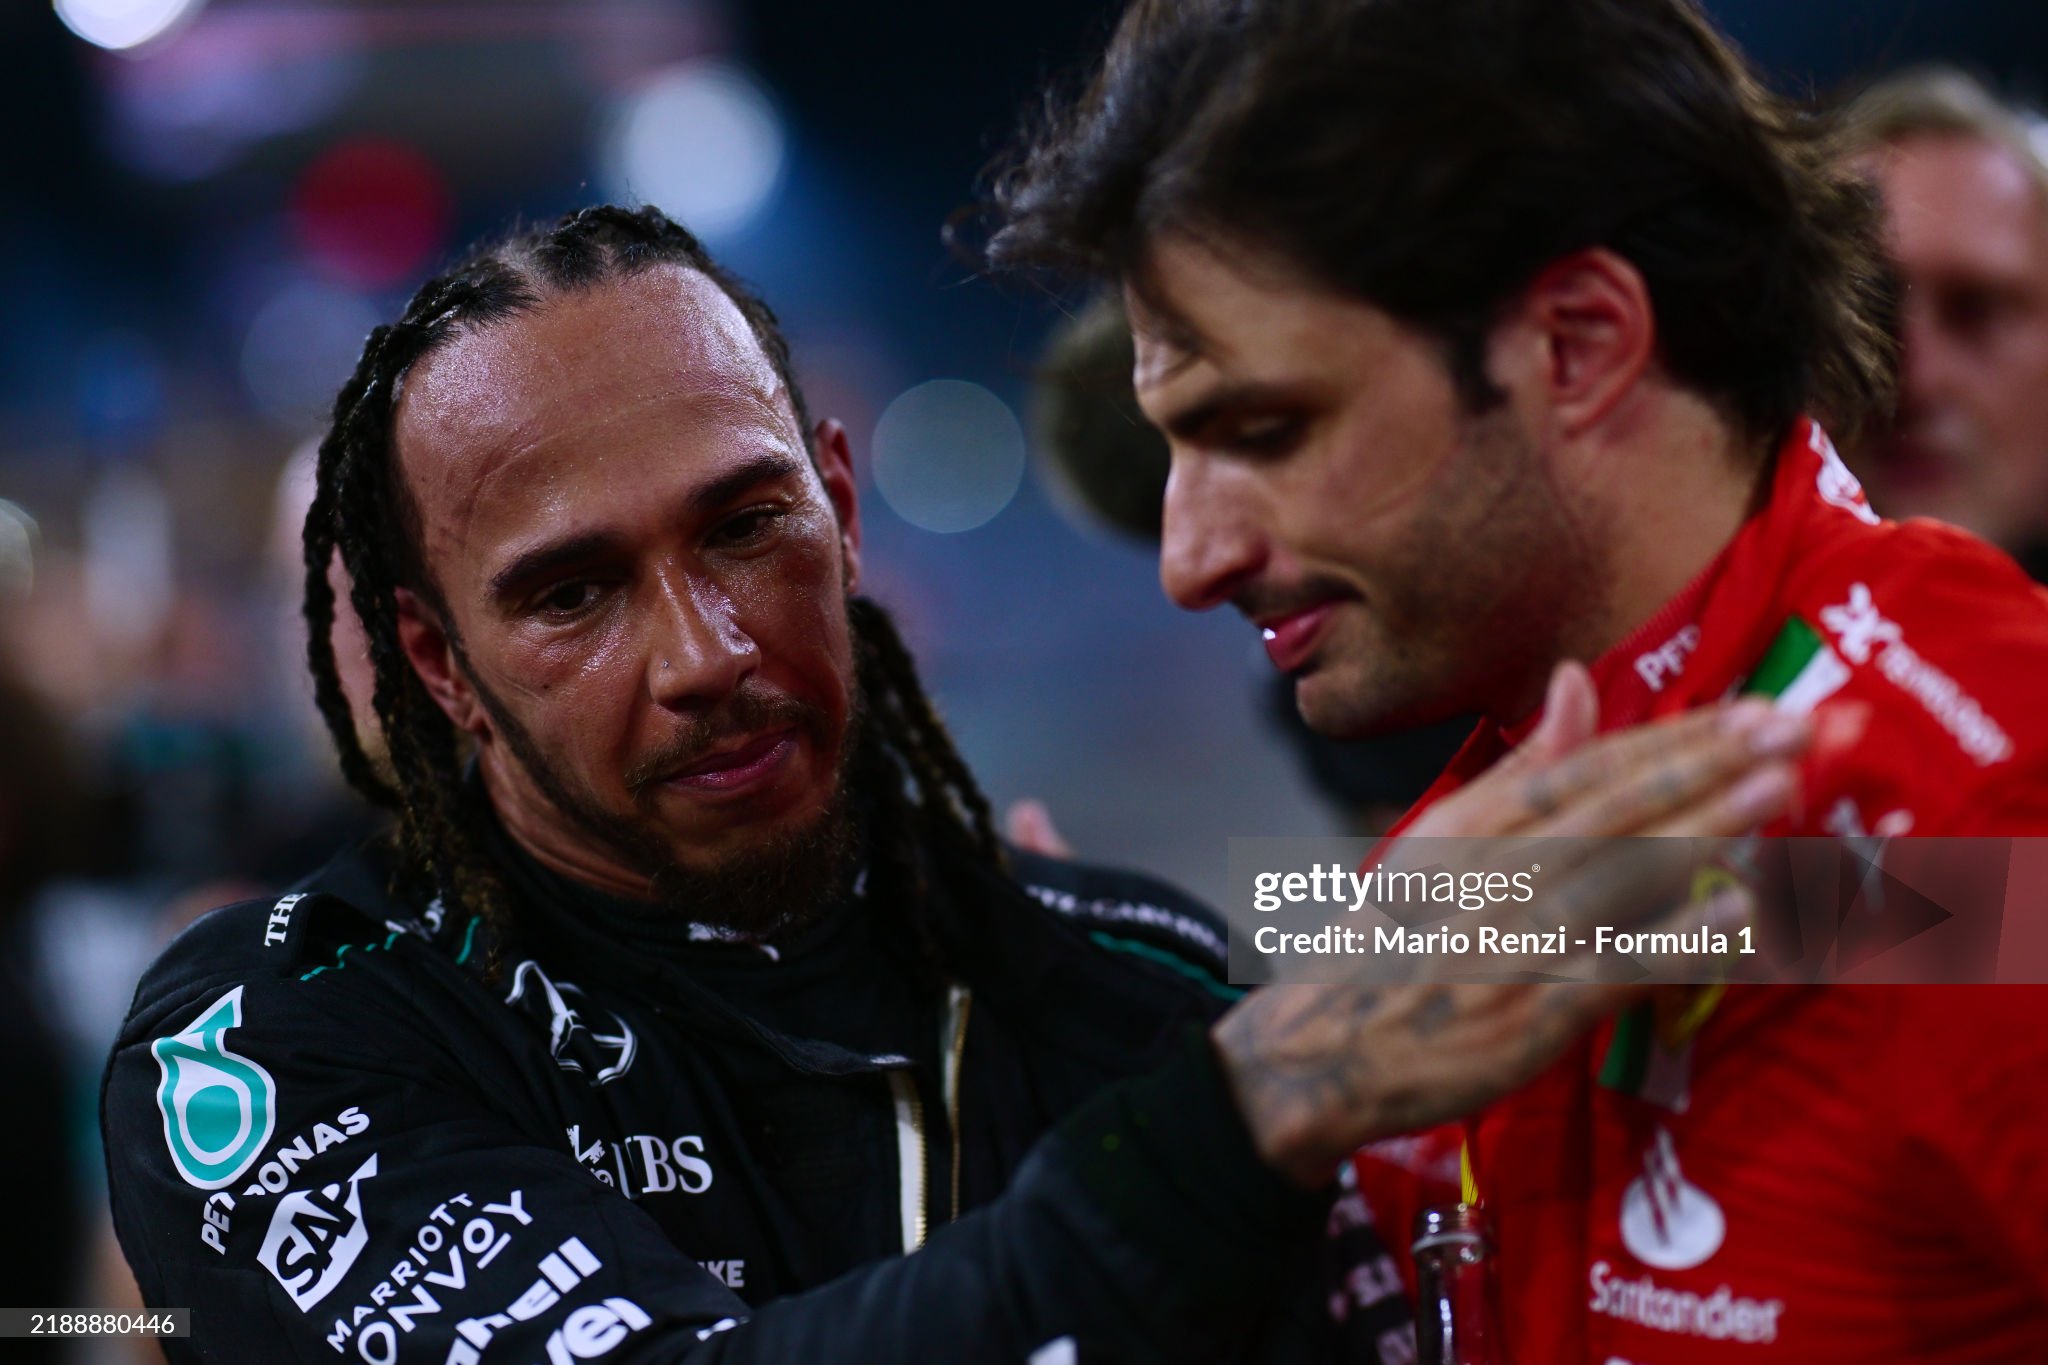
[{"x": 331, "y": 1137}]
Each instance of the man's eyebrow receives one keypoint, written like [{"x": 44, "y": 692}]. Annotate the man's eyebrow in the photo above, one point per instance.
[
  {"x": 537, "y": 564},
  {"x": 543, "y": 561},
  {"x": 764, "y": 467}
]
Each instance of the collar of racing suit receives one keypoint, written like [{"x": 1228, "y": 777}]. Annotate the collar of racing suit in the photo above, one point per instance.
[{"x": 1701, "y": 642}]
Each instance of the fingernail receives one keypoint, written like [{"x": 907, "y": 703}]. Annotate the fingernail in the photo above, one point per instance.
[
  {"x": 1781, "y": 734},
  {"x": 1762, "y": 794}
]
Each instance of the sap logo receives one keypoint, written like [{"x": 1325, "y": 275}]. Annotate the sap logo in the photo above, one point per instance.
[
  {"x": 315, "y": 1236},
  {"x": 219, "y": 1107},
  {"x": 273, "y": 1175},
  {"x": 574, "y": 1044},
  {"x": 585, "y": 1334}
]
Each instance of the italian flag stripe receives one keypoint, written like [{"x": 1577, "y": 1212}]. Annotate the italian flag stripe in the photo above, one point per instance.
[
  {"x": 1628, "y": 1055},
  {"x": 1800, "y": 670}
]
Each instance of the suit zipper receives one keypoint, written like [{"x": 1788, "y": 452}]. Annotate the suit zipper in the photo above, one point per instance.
[
  {"x": 912, "y": 1179},
  {"x": 910, "y": 1157},
  {"x": 958, "y": 1003}
]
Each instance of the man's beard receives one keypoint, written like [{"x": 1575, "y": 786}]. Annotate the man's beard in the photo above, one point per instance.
[
  {"x": 1473, "y": 596},
  {"x": 783, "y": 883}
]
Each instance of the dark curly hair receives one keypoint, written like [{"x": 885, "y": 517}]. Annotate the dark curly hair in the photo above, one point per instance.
[{"x": 1432, "y": 156}]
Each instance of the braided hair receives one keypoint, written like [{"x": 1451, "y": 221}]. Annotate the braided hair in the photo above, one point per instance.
[{"x": 918, "y": 790}]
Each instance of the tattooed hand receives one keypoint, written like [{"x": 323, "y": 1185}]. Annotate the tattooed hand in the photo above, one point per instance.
[{"x": 1319, "y": 1070}]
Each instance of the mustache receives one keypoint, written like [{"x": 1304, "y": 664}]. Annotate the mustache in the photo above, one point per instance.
[
  {"x": 1258, "y": 600},
  {"x": 746, "y": 713}
]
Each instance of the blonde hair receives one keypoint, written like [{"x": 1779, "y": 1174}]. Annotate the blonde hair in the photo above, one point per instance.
[{"x": 1940, "y": 101}]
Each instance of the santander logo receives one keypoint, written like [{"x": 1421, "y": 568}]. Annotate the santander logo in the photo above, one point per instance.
[{"x": 1667, "y": 1222}]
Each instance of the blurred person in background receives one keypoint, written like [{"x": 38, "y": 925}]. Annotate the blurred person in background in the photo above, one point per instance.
[
  {"x": 694, "y": 990},
  {"x": 1965, "y": 193},
  {"x": 40, "y": 818},
  {"x": 1487, "y": 334}
]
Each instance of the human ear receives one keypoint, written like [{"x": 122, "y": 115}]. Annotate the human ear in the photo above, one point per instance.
[
  {"x": 432, "y": 655},
  {"x": 834, "y": 458},
  {"x": 1595, "y": 330}
]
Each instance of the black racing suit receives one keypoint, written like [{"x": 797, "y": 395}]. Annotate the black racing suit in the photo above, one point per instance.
[{"x": 335, "y": 1139}]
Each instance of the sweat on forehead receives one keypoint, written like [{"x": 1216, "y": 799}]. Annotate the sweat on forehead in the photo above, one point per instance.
[
  {"x": 489, "y": 380},
  {"x": 499, "y": 414}
]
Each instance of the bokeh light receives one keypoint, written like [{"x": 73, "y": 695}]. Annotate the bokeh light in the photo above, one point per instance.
[
  {"x": 371, "y": 212},
  {"x": 948, "y": 455},
  {"x": 18, "y": 536},
  {"x": 120, "y": 390},
  {"x": 118, "y": 24},
  {"x": 190, "y": 110},
  {"x": 702, "y": 141},
  {"x": 125, "y": 536},
  {"x": 300, "y": 346}
]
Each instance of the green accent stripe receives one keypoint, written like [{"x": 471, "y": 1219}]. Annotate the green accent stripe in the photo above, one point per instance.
[
  {"x": 1627, "y": 1065},
  {"x": 1628, "y": 1054},
  {"x": 1788, "y": 655},
  {"x": 1168, "y": 960},
  {"x": 468, "y": 939}
]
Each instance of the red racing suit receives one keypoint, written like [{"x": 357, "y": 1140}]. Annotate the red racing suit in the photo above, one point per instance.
[{"x": 1848, "y": 1173}]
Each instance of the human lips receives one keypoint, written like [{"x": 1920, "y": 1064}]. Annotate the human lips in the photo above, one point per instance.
[
  {"x": 746, "y": 766},
  {"x": 1292, "y": 637}
]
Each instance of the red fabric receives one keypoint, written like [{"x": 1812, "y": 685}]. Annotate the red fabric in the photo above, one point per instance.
[{"x": 1878, "y": 1156}]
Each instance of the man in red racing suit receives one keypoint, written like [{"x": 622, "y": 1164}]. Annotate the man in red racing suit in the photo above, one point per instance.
[
  {"x": 1480, "y": 333},
  {"x": 1797, "y": 1173}
]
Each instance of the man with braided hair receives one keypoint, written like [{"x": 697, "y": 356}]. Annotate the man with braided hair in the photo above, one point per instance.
[{"x": 692, "y": 989}]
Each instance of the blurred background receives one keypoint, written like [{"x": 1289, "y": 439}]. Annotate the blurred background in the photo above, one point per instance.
[{"x": 205, "y": 206}]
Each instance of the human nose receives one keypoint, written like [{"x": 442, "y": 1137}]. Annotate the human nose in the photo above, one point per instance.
[
  {"x": 698, "y": 652},
  {"x": 1927, "y": 352},
  {"x": 1209, "y": 543}
]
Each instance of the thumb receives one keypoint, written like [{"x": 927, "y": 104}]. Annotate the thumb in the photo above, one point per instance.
[
  {"x": 1029, "y": 826},
  {"x": 1571, "y": 714}
]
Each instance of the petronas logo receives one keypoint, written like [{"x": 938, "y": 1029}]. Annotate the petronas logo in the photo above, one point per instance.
[{"x": 219, "y": 1107}]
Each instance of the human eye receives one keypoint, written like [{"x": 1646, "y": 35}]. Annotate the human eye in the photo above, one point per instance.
[
  {"x": 1266, "y": 433},
  {"x": 749, "y": 527},
  {"x": 566, "y": 601}
]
